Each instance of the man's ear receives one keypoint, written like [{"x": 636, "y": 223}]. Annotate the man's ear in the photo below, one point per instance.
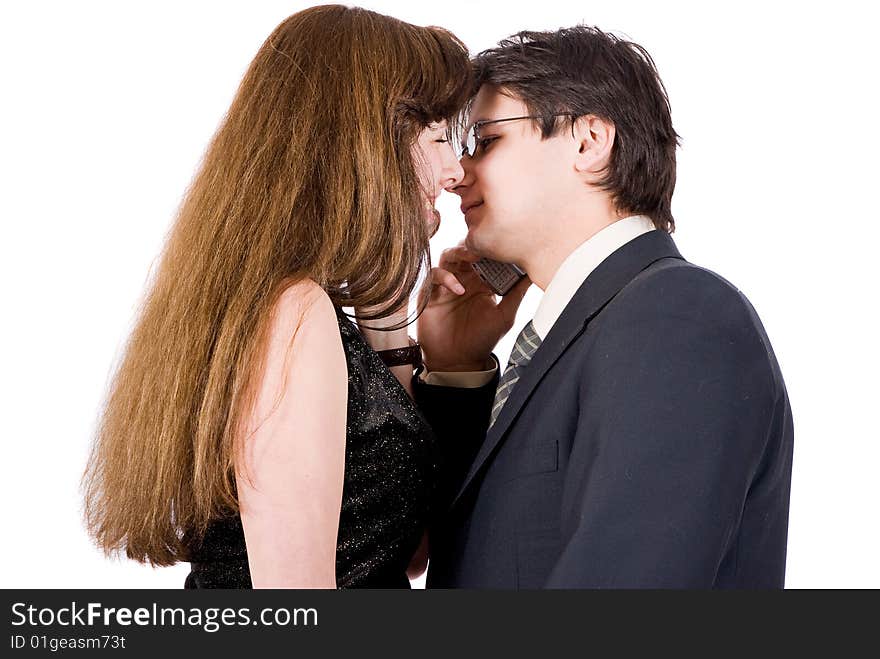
[{"x": 594, "y": 139}]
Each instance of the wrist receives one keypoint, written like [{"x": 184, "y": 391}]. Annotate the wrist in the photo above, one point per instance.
[
  {"x": 459, "y": 367},
  {"x": 380, "y": 340},
  {"x": 410, "y": 356}
]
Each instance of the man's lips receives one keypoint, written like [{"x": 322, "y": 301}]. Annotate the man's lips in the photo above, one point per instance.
[{"x": 466, "y": 207}]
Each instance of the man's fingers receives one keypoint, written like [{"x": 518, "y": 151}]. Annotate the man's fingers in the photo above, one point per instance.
[
  {"x": 457, "y": 257},
  {"x": 447, "y": 280}
]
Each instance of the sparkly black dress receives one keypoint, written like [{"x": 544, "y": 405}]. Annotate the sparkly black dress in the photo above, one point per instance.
[{"x": 390, "y": 472}]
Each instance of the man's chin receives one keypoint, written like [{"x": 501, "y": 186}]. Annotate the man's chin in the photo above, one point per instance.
[
  {"x": 473, "y": 243},
  {"x": 478, "y": 246}
]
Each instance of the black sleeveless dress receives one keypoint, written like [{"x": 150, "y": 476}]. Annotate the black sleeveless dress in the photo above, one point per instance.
[{"x": 391, "y": 466}]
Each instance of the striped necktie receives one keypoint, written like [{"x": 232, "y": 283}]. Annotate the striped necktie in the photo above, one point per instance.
[{"x": 526, "y": 344}]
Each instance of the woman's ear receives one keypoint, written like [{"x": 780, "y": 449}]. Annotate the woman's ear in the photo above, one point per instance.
[{"x": 594, "y": 139}]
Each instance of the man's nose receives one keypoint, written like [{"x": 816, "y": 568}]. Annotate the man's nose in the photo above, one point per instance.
[{"x": 467, "y": 178}]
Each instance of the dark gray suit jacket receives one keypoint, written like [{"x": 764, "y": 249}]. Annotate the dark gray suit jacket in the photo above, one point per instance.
[{"x": 647, "y": 444}]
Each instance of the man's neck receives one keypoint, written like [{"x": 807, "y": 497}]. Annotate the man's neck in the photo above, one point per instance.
[{"x": 542, "y": 264}]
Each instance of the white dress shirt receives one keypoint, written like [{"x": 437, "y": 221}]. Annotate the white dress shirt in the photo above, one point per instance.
[
  {"x": 579, "y": 265},
  {"x": 572, "y": 272}
]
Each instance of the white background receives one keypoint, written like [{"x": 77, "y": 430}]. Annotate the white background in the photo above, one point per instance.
[{"x": 107, "y": 108}]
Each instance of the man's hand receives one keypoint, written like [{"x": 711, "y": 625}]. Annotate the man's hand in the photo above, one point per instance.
[{"x": 462, "y": 321}]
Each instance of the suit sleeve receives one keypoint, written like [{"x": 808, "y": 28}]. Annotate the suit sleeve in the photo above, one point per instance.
[
  {"x": 459, "y": 417},
  {"x": 675, "y": 402}
]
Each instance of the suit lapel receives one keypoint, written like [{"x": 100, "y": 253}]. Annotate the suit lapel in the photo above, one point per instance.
[{"x": 598, "y": 289}]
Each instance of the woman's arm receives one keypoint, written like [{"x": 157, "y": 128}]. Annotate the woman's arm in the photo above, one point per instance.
[{"x": 294, "y": 452}]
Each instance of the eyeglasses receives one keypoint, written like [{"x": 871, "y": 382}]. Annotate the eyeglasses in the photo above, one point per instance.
[{"x": 472, "y": 138}]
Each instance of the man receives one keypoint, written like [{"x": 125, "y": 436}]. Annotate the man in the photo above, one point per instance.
[{"x": 641, "y": 435}]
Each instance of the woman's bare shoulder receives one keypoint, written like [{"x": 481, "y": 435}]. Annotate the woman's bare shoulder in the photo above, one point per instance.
[
  {"x": 304, "y": 327},
  {"x": 307, "y": 302},
  {"x": 303, "y": 358}
]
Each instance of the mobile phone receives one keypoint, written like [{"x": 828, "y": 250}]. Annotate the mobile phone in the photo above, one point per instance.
[{"x": 500, "y": 277}]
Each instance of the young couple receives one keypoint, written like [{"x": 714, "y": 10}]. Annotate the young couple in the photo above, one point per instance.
[{"x": 640, "y": 435}]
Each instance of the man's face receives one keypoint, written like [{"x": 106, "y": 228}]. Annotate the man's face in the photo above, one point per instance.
[{"x": 515, "y": 183}]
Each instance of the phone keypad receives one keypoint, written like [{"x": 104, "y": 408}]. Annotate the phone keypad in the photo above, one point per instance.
[{"x": 500, "y": 277}]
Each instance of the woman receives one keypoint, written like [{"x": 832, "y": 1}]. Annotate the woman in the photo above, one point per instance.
[{"x": 251, "y": 429}]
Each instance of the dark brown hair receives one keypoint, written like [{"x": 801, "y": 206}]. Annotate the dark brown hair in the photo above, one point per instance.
[
  {"x": 582, "y": 70},
  {"x": 310, "y": 175}
]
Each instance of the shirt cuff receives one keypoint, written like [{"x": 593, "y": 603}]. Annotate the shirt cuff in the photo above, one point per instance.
[{"x": 461, "y": 379}]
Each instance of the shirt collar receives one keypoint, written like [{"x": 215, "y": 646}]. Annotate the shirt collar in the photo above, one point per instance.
[{"x": 578, "y": 265}]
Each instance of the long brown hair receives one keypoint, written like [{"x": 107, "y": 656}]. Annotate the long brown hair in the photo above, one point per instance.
[{"x": 310, "y": 175}]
